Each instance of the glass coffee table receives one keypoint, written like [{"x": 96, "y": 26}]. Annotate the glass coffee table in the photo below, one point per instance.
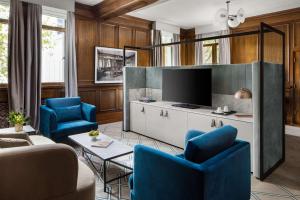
[{"x": 115, "y": 150}]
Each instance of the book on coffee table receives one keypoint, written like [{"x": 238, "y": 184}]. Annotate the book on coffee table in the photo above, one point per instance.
[{"x": 103, "y": 143}]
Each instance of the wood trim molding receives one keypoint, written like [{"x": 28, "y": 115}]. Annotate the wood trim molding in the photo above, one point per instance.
[
  {"x": 271, "y": 18},
  {"x": 109, "y": 9}
]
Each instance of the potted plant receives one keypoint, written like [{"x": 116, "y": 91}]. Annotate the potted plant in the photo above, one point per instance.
[
  {"x": 17, "y": 119},
  {"x": 94, "y": 134}
]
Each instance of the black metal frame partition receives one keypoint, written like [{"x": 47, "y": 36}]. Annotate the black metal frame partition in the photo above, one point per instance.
[{"x": 264, "y": 28}]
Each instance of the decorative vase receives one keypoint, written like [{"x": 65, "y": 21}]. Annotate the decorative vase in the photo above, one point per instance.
[
  {"x": 19, "y": 127},
  {"x": 94, "y": 138}
]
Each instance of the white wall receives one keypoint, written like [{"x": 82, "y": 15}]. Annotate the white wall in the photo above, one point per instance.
[
  {"x": 166, "y": 27},
  {"x": 61, "y": 4},
  {"x": 209, "y": 28}
]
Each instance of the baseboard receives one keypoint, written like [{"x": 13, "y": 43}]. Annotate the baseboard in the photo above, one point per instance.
[{"x": 292, "y": 130}]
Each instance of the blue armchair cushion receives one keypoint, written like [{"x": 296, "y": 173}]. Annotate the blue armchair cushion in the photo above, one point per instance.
[
  {"x": 62, "y": 102},
  {"x": 192, "y": 134},
  {"x": 68, "y": 113},
  {"x": 205, "y": 146}
]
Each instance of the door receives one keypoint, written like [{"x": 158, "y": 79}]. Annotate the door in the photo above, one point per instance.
[
  {"x": 137, "y": 118},
  {"x": 155, "y": 123},
  {"x": 176, "y": 127},
  {"x": 201, "y": 122},
  {"x": 245, "y": 133},
  {"x": 296, "y": 102}
]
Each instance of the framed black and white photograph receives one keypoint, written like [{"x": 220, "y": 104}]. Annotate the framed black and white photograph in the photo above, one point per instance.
[{"x": 109, "y": 64}]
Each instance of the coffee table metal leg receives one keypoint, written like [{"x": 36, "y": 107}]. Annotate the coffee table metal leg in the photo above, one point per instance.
[{"x": 104, "y": 174}]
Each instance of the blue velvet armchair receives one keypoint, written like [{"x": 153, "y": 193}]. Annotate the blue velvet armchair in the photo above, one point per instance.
[
  {"x": 214, "y": 166},
  {"x": 61, "y": 117}
]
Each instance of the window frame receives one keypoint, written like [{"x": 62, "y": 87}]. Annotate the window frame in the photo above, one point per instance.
[
  {"x": 58, "y": 29},
  {"x": 3, "y": 21},
  {"x": 45, "y": 27},
  {"x": 214, "y": 47}
]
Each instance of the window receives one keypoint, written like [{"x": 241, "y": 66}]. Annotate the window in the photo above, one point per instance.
[
  {"x": 167, "y": 50},
  {"x": 210, "y": 52},
  {"x": 53, "y": 49},
  {"x": 53, "y": 36},
  {"x": 4, "y": 13}
]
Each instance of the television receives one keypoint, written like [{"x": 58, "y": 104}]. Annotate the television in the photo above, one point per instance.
[{"x": 189, "y": 88}]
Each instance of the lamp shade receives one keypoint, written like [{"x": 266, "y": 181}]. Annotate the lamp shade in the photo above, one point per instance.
[{"x": 243, "y": 93}]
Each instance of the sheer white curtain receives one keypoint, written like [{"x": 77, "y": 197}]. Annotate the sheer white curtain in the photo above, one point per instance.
[
  {"x": 157, "y": 51},
  {"x": 71, "y": 89},
  {"x": 176, "y": 61},
  {"x": 198, "y": 51},
  {"x": 224, "y": 48}
]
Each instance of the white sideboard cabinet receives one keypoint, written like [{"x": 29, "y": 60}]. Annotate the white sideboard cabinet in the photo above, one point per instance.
[{"x": 162, "y": 121}]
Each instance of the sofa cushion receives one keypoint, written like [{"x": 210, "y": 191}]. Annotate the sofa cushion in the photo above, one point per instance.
[
  {"x": 62, "y": 102},
  {"x": 13, "y": 142},
  {"x": 68, "y": 113},
  {"x": 192, "y": 134},
  {"x": 205, "y": 146},
  {"x": 73, "y": 127}
]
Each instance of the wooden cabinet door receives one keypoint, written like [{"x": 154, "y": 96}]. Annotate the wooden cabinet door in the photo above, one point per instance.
[
  {"x": 296, "y": 101},
  {"x": 176, "y": 127},
  {"x": 201, "y": 122},
  {"x": 137, "y": 118}
]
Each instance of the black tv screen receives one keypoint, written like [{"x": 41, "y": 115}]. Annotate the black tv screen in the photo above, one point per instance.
[{"x": 188, "y": 86}]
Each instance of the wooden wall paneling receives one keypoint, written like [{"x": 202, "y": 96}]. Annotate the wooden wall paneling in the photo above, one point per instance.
[
  {"x": 108, "y": 99},
  {"x": 273, "y": 47},
  {"x": 142, "y": 38},
  {"x": 244, "y": 49},
  {"x": 88, "y": 95},
  {"x": 120, "y": 98},
  {"x": 296, "y": 35},
  {"x": 114, "y": 33},
  {"x": 108, "y": 36},
  {"x": 3, "y": 95},
  {"x": 125, "y": 36},
  {"x": 187, "y": 50},
  {"x": 86, "y": 37}
]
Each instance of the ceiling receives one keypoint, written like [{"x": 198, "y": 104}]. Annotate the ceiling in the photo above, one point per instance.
[
  {"x": 194, "y": 13},
  {"x": 89, "y": 2}
]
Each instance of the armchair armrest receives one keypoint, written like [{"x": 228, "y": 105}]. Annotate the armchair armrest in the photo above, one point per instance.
[
  {"x": 48, "y": 121},
  {"x": 38, "y": 172},
  {"x": 164, "y": 174},
  {"x": 89, "y": 112},
  {"x": 23, "y": 136}
]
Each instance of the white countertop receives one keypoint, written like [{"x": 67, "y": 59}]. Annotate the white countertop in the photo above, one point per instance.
[{"x": 202, "y": 111}]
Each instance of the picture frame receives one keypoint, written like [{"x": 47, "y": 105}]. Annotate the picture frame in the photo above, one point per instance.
[{"x": 109, "y": 64}]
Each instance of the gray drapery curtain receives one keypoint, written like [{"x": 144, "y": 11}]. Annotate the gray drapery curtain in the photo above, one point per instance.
[
  {"x": 70, "y": 73},
  {"x": 24, "y": 59},
  {"x": 224, "y": 48},
  {"x": 157, "y": 51},
  {"x": 176, "y": 61},
  {"x": 198, "y": 51}
]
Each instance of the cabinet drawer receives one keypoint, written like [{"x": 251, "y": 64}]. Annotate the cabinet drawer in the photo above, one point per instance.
[{"x": 201, "y": 122}]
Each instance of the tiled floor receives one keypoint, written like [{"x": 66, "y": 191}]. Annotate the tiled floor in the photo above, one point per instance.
[{"x": 283, "y": 184}]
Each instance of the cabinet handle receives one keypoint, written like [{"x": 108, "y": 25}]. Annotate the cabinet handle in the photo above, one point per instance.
[
  {"x": 220, "y": 124},
  {"x": 213, "y": 123},
  {"x": 166, "y": 114},
  {"x": 161, "y": 113},
  {"x": 143, "y": 110}
]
